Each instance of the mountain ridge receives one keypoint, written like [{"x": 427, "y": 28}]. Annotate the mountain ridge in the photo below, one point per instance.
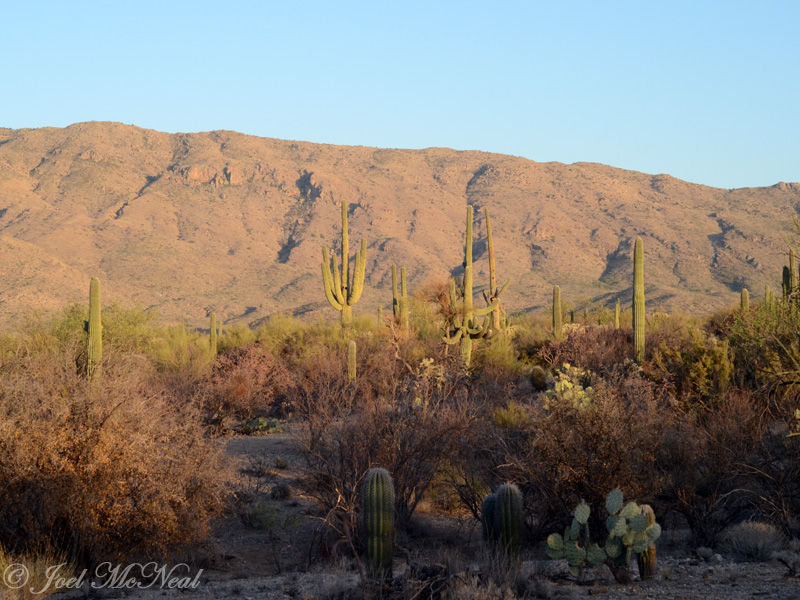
[{"x": 190, "y": 223}]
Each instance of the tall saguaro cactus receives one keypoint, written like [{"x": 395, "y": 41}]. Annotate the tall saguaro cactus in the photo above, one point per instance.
[
  {"x": 400, "y": 297},
  {"x": 94, "y": 349},
  {"x": 494, "y": 293},
  {"x": 466, "y": 328},
  {"x": 638, "y": 301},
  {"x": 213, "y": 340},
  {"x": 340, "y": 290},
  {"x": 558, "y": 326},
  {"x": 792, "y": 272},
  {"x": 378, "y": 505},
  {"x": 616, "y": 315},
  {"x": 745, "y": 303}
]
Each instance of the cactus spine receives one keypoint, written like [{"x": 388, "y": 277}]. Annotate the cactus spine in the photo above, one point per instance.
[
  {"x": 745, "y": 300},
  {"x": 341, "y": 291},
  {"x": 508, "y": 521},
  {"x": 94, "y": 349},
  {"x": 558, "y": 328},
  {"x": 647, "y": 558},
  {"x": 494, "y": 293},
  {"x": 378, "y": 505},
  {"x": 351, "y": 360},
  {"x": 638, "y": 301},
  {"x": 616, "y": 315},
  {"x": 466, "y": 328},
  {"x": 213, "y": 341},
  {"x": 400, "y": 297}
]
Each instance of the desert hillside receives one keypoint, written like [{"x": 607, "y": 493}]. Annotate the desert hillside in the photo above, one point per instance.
[{"x": 225, "y": 222}]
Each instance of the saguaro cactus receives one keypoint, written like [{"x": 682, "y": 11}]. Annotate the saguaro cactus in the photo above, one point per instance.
[
  {"x": 351, "y": 360},
  {"x": 400, "y": 297},
  {"x": 465, "y": 325},
  {"x": 792, "y": 272},
  {"x": 213, "y": 340},
  {"x": 786, "y": 279},
  {"x": 638, "y": 301},
  {"x": 616, "y": 315},
  {"x": 558, "y": 327},
  {"x": 378, "y": 505},
  {"x": 508, "y": 521},
  {"x": 745, "y": 300},
  {"x": 767, "y": 298},
  {"x": 647, "y": 558},
  {"x": 342, "y": 292},
  {"x": 494, "y": 293},
  {"x": 94, "y": 350}
]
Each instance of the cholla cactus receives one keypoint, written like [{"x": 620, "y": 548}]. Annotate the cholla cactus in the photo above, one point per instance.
[
  {"x": 570, "y": 386},
  {"x": 629, "y": 533}
]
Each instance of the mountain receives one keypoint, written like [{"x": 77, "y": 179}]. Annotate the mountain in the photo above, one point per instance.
[{"x": 226, "y": 222}]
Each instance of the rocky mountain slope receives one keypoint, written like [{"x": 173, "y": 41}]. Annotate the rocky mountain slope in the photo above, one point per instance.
[{"x": 225, "y": 222}]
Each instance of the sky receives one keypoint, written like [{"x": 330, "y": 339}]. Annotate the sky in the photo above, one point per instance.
[{"x": 708, "y": 92}]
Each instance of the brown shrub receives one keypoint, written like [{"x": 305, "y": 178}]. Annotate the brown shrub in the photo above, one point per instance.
[
  {"x": 410, "y": 432},
  {"x": 572, "y": 451},
  {"x": 104, "y": 471},
  {"x": 245, "y": 381},
  {"x": 595, "y": 348},
  {"x": 705, "y": 460}
]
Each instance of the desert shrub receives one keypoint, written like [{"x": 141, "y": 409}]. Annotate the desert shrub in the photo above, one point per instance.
[
  {"x": 595, "y": 348},
  {"x": 410, "y": 432},
  {"x": 765, "y": 348},
  {"x": 105, "y": 471},
  {"x": 773, "y": 474},
  {"x": 753, "y": 541},
  {"x": 38, "y": 578},
  {"x": 178, "y": 349},
  {"x": 575, "y": 451},
  {"x": 705, "y": 458},
  {"x": 243, "y": 382},
  {"x": 696, "y": 364}
]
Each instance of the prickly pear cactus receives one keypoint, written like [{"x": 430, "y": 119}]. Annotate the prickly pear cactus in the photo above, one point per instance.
[
  {"x": 630, "y": 531},
  {"x": 378, "y": 504}
]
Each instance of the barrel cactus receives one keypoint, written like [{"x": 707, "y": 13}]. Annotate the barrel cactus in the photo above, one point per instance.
[{"x": 378, "y": 506}]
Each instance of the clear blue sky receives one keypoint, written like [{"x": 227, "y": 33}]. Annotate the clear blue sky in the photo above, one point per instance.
[{"x": 705, "y": 91}]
